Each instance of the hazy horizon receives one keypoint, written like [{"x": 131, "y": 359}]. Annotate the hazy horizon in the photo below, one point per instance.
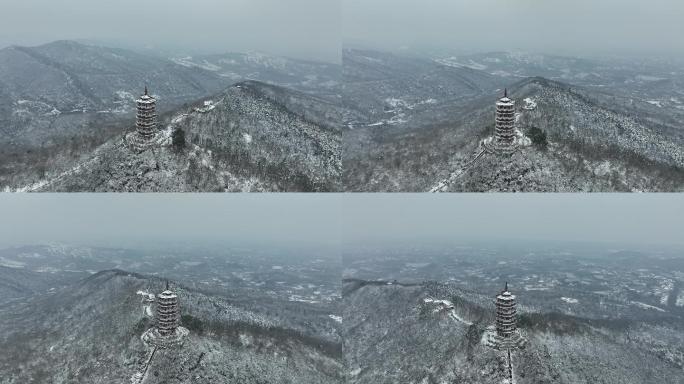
[
  {"x": 316, "y": 30},
  {"x": 631, "y": 220},
  {"x": 582, "y": 28},
  {"x": 343, "y": 221},
  {"x": 304, "y": 29},
  {"x": 150, "y": 220}
]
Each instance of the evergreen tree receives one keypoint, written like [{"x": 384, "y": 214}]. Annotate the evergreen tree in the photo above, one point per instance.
[
  {"x": 538, "y": 137},
  {"x": 178, "y": 138}
]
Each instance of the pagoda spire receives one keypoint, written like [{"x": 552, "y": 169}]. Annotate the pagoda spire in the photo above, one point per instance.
[
  {"x": 167, "y": 285},
  {"x": 505, "y": 92},
  {"x": 506, "y": 289},
  {"x": 146, "y": 94}
]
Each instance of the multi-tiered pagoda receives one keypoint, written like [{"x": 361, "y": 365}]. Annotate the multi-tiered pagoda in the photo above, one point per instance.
[
  {"x": 506, "y": 322},
  {"x": 167, "y": 332},
  {"x": 504, "y": 335},
  {"x": 504, "y": 131},
  {"x": 146, "y": 118},
  {"x": 145, "y": 124},
  {"x": 505, "y": 138},
  {"x": 168, "y": 313}
]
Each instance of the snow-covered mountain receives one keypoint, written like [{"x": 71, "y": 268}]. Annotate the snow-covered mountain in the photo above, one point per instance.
[
  {"x": 322, "y": 79},
  {"x": 405, "y": 91},
  {"x": 658, "y": 81},
  {"x": 62, "y": 99},
  {"x": 90, "y": 331},
  {"x": 251, "y": 137},
  {"x": 59, "y": 88},
  {"x": 596, "y": 143},
  {"x": 597, "y": 140},
  {"x": 65, "y": 78},
  {"x": 421, "y": 333}
]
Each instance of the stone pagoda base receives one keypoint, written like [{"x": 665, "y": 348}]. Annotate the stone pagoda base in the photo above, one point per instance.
[
  {"x": 493, "y": 340},
  {"x": 490, "y": 145},
  {"x": 138, "y": 143},
  {"x": 153, "y": 338}
]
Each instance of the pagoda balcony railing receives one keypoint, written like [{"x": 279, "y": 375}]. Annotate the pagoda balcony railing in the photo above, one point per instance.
[
  {"x": 168, "y": 312},
  {"x": 506, "y": 329},
  {"x": 506, "y": 309},
  {"x": 505, "y": 300},
  {"x": 506, "y": 313}
]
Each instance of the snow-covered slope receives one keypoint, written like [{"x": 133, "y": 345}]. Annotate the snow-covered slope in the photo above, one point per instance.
[
  {"x": 398, "y": 333},
  {"x": 405, "y": 91},
  {"x": 65, "y": 98},
  {"x": 252, "y": 137},
  {"x": 90, "y": 332},
  {"x": 318, "y": 78},
  {"x": 67, "y": 80},
  {"x": 597, "y": 142}
]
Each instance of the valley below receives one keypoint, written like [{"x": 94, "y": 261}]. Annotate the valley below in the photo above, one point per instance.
[
  {"x": 259, "y": 323},
  {"x": 62, "y": 130},
  {"x": 586, "y": 315},
  {"x": 421, "y": 120}
]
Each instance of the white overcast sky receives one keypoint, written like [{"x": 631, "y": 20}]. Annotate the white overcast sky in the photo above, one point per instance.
[
  {"x": 132, "y": 219},
  {"x": 584, "y": 27},
  {"x": 347, "y": 219},
  {"x": 635, "y": 219},
  {"x": 315, "y": 29},
  {"x": 298, "y": 28}
]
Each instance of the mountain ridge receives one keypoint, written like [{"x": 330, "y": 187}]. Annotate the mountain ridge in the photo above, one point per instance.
[
  {"x": 248, "y": 139},
  {"x": 590, "y": 149},
  {"x": 90, "y": 332},
  {"x": 445, "y": 343}
]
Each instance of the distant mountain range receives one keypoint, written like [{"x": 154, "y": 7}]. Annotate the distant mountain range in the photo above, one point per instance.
[
  {"x": 420, "y": 139},
  {"x": 251, "y": 137},
  {"x": 379, "y": 122},
  {"x": 402, "y": 91},
  {"x": 63, "y": 102},
  {"x": 322, "y": 79},
  {"x": 658, "y": 80},
  {"x": 67, "y": 77},
  {"x": 60, "y": 89}
]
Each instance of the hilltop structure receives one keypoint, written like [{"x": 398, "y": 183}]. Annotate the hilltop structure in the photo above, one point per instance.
[
  {"x": 146, "y": 131},
  {"x": 506, "y": 138},
  {"x": 167, "y": 332},
  {"x": 506, "y": 321},
  {"x": 168, "y": 315},
  {"x": 504, "y": 335},
  {"x": 504, "y": 131}
]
